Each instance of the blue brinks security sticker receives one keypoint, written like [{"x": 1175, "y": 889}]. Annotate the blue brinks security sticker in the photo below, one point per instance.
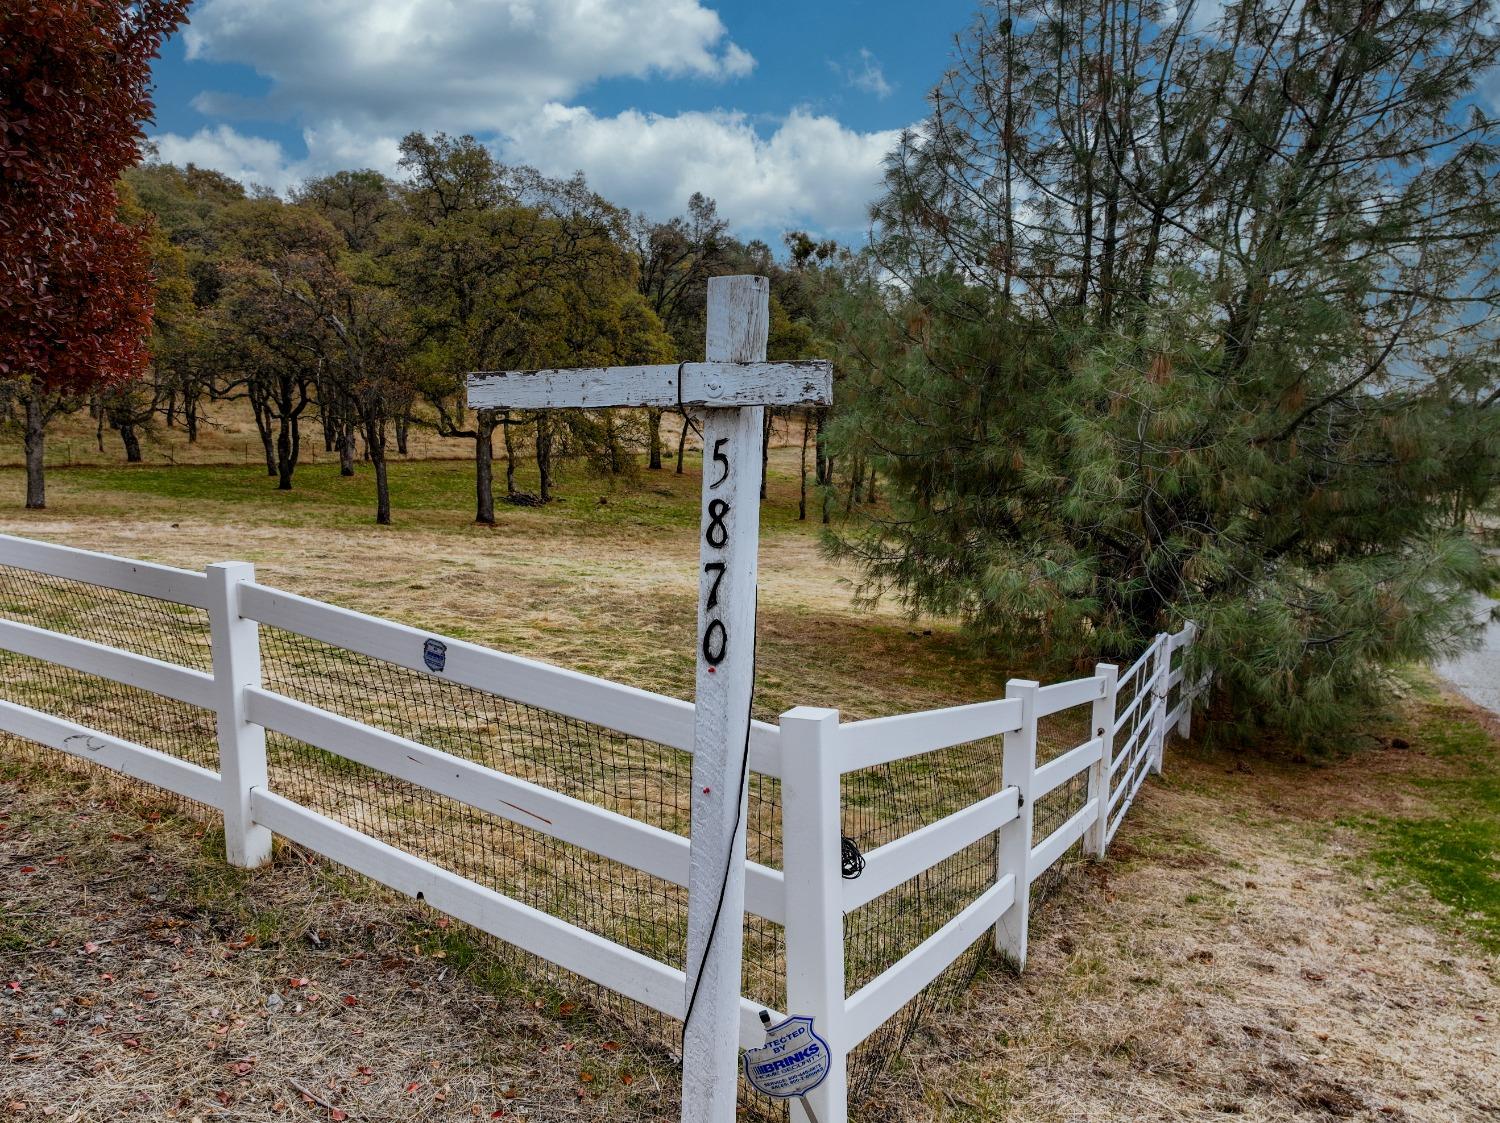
[
  {"x": 435, "y": 654},
  {"x": 793, "y": 1061}
]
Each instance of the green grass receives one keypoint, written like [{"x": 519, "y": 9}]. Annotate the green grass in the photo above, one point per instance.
[
  {"x": 1454, "y": 851},
  {"x": 435, "y": 494}
]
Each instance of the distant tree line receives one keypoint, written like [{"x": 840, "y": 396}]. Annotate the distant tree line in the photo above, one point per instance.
[{"x": 358, "y": 305}]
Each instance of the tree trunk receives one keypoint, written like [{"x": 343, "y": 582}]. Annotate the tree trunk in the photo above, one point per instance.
[
  {"x": 802, "y": 497},
  {"x": 131, "y": 440},
  {"x": 382, "y": 492},
  {"x": 653, "y": 425},
  {"x": 36, "y": 442},
  {"x": 484, "y": 467},
  {"x": 286, "y": 460},
  {"x": 612, "y": 444},
  {"x": 346, "y": 451},
  {"x": 544, "y": 456},
  {"x": 296, "y": 440},
  {"x": 190, "y": 417},
  {"x": 403, "y": 424},
  {"x": 827, "y": 489},
  {"x": 171, "y": 410},
  {"x": 262, "y": 414},
  {"x": 510, "y": 457},
  {"x": 375, "y": 450},
  {"x": 824, "y": 462}
]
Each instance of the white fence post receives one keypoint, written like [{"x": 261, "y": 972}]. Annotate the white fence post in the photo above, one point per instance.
[
  {"x": 729, "y": 541},
  {"x": 812, "y": 860},
  {"x": 1161, "y": 675},
  {"x": 1014, "y": 850},
  {"x": 1104, "y": 729},
  {"x": 1185, "y": 692},
  {"x": 242, "y": 744}
]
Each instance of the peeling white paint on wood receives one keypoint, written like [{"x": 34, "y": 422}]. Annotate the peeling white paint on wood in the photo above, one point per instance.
[{"x": 725, "y": 385}]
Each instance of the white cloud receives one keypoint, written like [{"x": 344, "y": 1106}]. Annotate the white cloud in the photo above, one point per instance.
[
  {"x": 251, "y": 160},
  {"x": 466, "y": 61},
  {"x": 358, "y": 74},
  {"x": 810, "y": 170},
  {"x": 867, "y": 75}
]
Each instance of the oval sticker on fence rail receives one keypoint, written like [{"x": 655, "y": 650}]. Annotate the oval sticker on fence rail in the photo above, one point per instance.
[
  {"x": 793, "y": 1061},
  {"x": 435, "y": 654}
]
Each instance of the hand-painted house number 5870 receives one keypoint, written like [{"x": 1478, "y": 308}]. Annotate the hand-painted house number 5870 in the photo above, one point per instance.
[{"x": 716, "y": 534}]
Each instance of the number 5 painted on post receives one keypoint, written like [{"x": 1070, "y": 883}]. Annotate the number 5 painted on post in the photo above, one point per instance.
[{"x": 723, "y": 462}]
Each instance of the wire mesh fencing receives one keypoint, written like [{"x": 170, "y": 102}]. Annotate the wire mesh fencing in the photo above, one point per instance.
[
  {"x": 645, "y": 780},
  {"x": 880, "y": 805},
  {"x": 892, "y": 800},
  {"x": 172, "y": 633}
]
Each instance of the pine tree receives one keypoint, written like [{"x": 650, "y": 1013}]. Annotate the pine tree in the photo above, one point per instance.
[{"x": 1190, "y": 321}]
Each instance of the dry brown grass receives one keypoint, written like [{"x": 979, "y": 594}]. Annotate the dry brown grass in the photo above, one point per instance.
[
  {"x": 1230, "y": 961},
  {"x": 606, "y": 597},
  {"x": 1194, "y": 976},
  {"x": 143, "y": 969}
]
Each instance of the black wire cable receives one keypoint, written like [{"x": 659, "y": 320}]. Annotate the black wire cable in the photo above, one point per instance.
[
  {"x": 851, "y": 861},
  {"x": 739, "y": 806}
]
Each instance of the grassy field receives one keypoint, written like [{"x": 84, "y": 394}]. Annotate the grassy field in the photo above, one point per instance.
[
  {"x": 1269, "y": 940},
  {"x": 602, "y": 580}
]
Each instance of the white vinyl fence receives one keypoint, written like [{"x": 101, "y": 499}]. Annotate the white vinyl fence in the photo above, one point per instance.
[{"x": 810, "y": 752}]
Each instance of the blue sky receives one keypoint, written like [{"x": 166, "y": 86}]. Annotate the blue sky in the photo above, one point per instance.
[{"x": 781, "y": 111}]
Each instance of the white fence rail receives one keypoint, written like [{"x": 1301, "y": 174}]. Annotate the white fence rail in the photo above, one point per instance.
[{"x": 810, "y": 751}]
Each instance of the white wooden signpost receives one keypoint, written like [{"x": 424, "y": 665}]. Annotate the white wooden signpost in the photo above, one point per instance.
[{"x": 729, "y": 392}]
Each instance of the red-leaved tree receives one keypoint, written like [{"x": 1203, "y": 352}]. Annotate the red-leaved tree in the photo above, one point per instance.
[{"x": 75, "y": 287}]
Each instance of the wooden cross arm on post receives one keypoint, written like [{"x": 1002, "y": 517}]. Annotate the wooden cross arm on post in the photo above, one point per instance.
[{"x": 802, "y": 382}]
